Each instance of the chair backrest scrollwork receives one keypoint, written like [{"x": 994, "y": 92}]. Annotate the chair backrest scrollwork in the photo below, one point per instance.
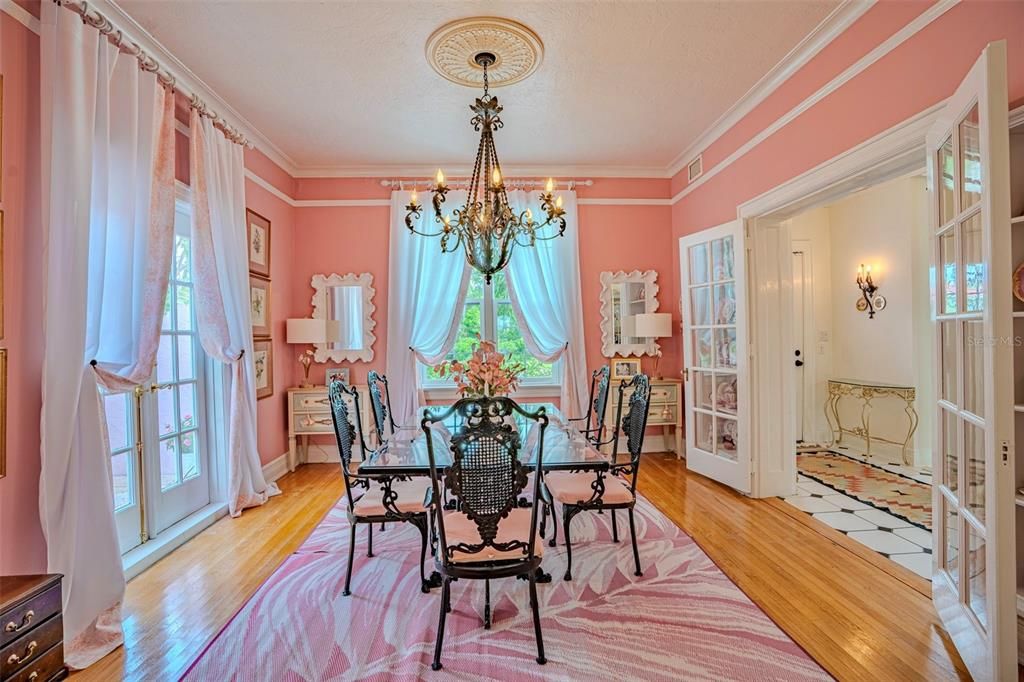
[
  {"x": 380, "y": 401},
  {"x": 339, "y": 395},
  {"x": 485, "y": 475},
  {"x": 634, "y": 423}
]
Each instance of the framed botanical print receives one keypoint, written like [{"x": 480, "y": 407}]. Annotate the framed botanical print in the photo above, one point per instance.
[
  {"x": 258, "y": 233},
  {"x": 333, "y": 373},
  {"x": 625, "y": 368},
  {"x": 259, "y": 304},
  {"x": 263, "y": 358}
]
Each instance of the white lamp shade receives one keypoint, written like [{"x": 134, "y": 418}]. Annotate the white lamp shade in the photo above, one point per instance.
[
  {"x": 306, "y": 330},
  {"x": 653, "y": 325}
]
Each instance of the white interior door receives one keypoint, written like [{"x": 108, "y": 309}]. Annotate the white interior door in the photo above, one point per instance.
[
  {"x": 712, "y": 266},
  {"x": 801, "y": 325},
  {"x": 968, "y": 170}
]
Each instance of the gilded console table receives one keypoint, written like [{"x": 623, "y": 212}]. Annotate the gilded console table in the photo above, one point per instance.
[{"x": 866, "y": 392}]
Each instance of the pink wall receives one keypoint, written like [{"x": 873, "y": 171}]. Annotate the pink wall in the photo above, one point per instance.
[
  {"x": 271, "y": 412},
  {"x": 923, "y": 70},
  {"x": 343, "y": 239},
  {"x": 22, "y": 548}
]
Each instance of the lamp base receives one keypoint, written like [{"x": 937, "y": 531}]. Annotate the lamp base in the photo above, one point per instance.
[{"x": 306, "y": 384}]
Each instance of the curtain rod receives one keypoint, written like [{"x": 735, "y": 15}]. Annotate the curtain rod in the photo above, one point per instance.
[
  {"x": 429, "y": 182},
  {"x": 125, "y": 44}
]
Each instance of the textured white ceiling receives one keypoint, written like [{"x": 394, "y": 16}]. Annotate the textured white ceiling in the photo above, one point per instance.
[{"x": 346, "y": 84}]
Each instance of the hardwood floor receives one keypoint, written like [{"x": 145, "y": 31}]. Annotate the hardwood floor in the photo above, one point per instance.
[
  {"x": 858, "y": 620},
  {"x": 172, "y": 610}
]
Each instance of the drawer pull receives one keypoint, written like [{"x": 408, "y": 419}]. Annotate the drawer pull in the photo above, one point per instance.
[
  {"x": 34, "y": 676},
  {"x": 15, "y": 659},
  {"x": 26, "y": 620}
]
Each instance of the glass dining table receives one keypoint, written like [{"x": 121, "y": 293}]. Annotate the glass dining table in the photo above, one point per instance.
[{"x": 405, "y": 453}]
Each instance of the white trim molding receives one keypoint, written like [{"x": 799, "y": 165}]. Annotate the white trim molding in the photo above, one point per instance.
[
  {"x": 855, "y": 69},
  {"x": 840, "y": 19},
  {"x": 275, "y": 468},
  {"x": 192, "y": 82},
  {"x": 21, "y": 15}
]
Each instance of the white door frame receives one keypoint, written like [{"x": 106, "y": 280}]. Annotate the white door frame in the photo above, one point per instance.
[{"x": 890, "y": 154}]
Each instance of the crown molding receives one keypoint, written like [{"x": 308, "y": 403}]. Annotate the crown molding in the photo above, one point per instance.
[
  {"x": 840, "y": 19},
  {"x": 191, "y": 81},
  {"x": 1017, "y": 116},
  {"x": 396, "y": 171},
  {"x": 851, "y": 72},
  {"x": 21, "y": 15}
]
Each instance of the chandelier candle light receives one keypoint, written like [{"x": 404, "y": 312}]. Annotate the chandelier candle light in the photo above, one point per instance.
[{"x": 486, "y": 226}]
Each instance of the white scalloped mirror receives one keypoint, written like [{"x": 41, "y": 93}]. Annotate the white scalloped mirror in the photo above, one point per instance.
[
  {"x": 623, "y": 297},
  {"x": 347, "y": 300}
]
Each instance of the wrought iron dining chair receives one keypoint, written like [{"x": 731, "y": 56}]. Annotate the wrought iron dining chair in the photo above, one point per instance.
[
  {"x": 595, "y": 491},
  {"x": 380, "y": 401},
  {"x": 372, "y": 500},
  {"x": 597, "y": 406},
  {"x": 487, "y": 535}
]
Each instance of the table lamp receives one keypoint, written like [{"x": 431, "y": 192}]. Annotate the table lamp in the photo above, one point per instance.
[
  {"x": 303, "y": 330},
  {"x": 654, "y": 326}
]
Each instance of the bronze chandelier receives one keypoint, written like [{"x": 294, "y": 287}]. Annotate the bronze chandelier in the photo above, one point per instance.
[{"x": 486, "y": 226}]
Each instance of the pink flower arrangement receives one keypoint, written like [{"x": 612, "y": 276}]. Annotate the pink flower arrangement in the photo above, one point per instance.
[{"x": 485, "y": 373}]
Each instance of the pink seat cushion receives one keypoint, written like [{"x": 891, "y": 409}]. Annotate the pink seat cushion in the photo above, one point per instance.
[
  {"x": 410, "y": 498},
  {"x": 574, "y": 488},
  {"x": 458, "y": 529}
]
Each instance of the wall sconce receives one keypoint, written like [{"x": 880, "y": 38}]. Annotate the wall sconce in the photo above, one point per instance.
[{"x": 868, "y": 300}]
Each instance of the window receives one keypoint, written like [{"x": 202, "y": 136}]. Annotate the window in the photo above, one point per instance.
[
  {"x": 489, "y": 315},
  {"x": 160, "y": 463}
]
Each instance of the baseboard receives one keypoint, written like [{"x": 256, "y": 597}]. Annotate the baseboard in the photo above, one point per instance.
[{"x": 275, "y": 468}]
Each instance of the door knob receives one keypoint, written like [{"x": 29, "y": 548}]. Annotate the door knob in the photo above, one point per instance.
[{"x": 799, "y": 363}]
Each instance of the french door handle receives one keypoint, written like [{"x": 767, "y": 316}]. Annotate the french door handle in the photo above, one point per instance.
[{"x": 158, "y": 387}]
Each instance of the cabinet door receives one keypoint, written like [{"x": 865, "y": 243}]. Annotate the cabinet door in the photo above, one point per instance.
[{"x": 973, "y": 582}]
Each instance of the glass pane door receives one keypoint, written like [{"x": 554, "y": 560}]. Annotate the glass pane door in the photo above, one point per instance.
[
  {"x": 974, "y": 570},
  {"x": 713, "y": 335},
  {"x": 158, "y": 444}
]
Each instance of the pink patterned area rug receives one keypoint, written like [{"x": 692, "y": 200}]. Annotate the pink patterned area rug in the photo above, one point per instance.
[{"x": 683, "y": 620}]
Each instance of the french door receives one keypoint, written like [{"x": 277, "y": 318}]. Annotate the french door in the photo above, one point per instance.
[
  {"x": 973, "y": 582},
  {"x": 713, "y": 282},
  {"x": 158, "y": 432}
]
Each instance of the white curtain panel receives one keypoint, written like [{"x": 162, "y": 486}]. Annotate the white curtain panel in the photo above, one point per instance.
[
  {"x": 426, "y": 295},
  {"x": 108, "y": 220},
  {"x": 223, "y": 311},
  {"x": 544, "y": 286}
]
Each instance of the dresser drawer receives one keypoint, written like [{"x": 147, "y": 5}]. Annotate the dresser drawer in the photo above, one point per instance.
[
  {"x": 312, "y": 402},
  {"x": 29, "y": 614},
  {"x": 666, "y": 413},
  {"x": 665, "y": 393},
  {"x": 31, "y": 646},
  {"x": 49, "y": 666},
  {"x": 313, "y": 422}
]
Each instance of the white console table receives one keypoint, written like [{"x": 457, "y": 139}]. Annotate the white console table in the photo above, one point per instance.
[
  {"x": 309, "y": 414},
  {"x": 666, "y": 409},
  {"x": 865, "y": 392}
]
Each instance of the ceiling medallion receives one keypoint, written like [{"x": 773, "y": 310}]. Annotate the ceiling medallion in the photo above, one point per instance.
[
  {"x": 452, "y": 51},
  {"x": 486, "y": 227}
]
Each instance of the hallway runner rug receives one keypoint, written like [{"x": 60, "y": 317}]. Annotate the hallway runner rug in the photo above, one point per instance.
[
  {"x": 682, "y": 620},
  {"x": 898, "y": 495}
]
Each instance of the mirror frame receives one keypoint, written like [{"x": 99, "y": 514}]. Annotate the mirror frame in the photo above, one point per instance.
[
  {"x": 321, "y": 283},
  {"x": 649, "y": 278}
]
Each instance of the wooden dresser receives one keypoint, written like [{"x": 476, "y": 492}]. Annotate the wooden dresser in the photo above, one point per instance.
[
  {"x": 666, "y": 410},
  {"x": 309, "y": 414},
  {"x": 31, "y": 629}
]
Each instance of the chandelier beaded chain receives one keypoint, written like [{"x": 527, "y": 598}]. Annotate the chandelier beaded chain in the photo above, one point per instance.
[{"x": 486, "y": 226}]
